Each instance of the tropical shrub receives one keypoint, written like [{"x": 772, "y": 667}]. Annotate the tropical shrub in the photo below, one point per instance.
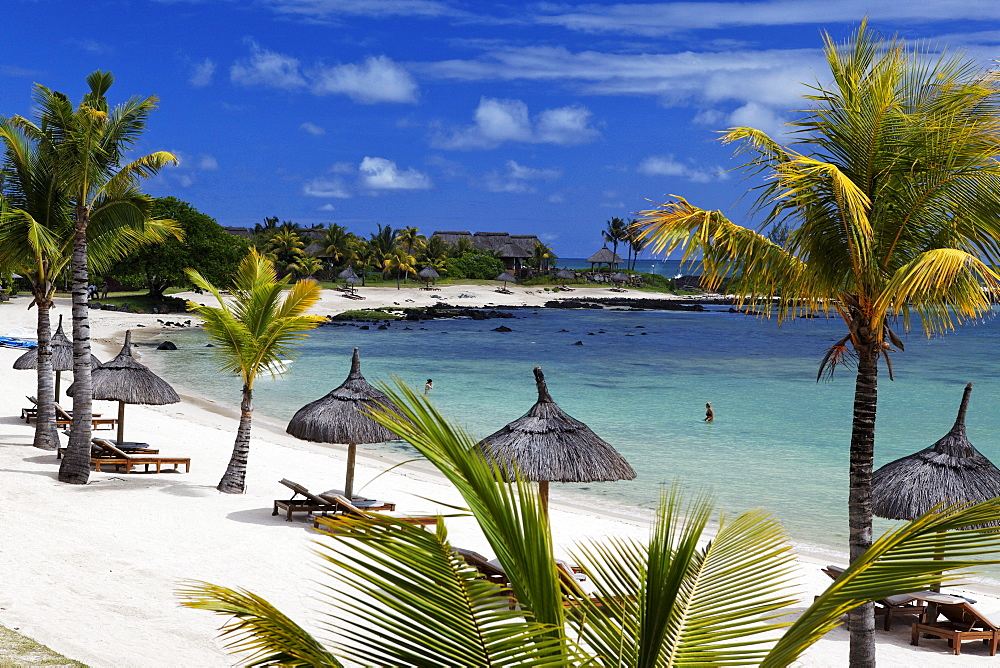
[{"x": 474, "y": 264}]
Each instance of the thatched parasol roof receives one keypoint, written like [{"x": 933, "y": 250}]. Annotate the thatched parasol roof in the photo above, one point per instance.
[
  {"x": 950, "y": 471},
  {"x": 546, "y": 444},
  {"x": 338, "y": 417},
  {"x": 125, "y": 380},
  {"x": 347, "y": 273},
  {"x": 62, "y": 354},
  {"x": 565, "y": 274},
  {"x": 506, "y": 277},
  {"x": 604, "y": 256},
  {"x": 428, "y": 272}
]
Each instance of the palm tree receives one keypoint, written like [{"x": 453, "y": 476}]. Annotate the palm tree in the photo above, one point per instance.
[
  {"x": 400, "y": 262},
  {"x": 285, "y": 248},
  {"x": 435, "y": 252},
  {"x": 85, "y": 147},
  {"x": 635, "y": 241},
  {"x": 676, "y": 599},
  {"x": 36, "y": 239},
  {"x": 269, "y": 227},
  {"x": 411, "y": 239},
  {"x": 615, "y": 232},
  {"x": 462, "y": 246},
  {"x": 305, "y": 266},
  {"x": 256, "y": 329},
  {"x": 338, "y": 244},
  {"x": 542, "y": 255},
  {"x": 895, "y": 190},
  {"x": 380, "y": 246}
]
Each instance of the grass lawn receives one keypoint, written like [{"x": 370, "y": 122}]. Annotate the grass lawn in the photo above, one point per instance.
[{"x": 17, "y": 651}]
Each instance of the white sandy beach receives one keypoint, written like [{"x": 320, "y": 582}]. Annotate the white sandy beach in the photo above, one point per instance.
[{"x": 91, "y": 570}]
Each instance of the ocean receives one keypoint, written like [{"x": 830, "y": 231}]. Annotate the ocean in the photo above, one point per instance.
[{"x": 641, "y": 380}]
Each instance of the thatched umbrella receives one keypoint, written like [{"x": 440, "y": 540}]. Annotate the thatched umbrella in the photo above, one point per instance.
[
  {"x": 339, "y": 417},
  {"x": 546, "y": 444},
  {"x": 62, "y": 356},
  {"x": 950, "y": 471},
  {"x": 350, "y": 278},
  {"x": 428, "y": 273},
  {"x": 565, "y": 274},
  {"x": 128, "y": 382},
  {"x": 506, "y": 277}
]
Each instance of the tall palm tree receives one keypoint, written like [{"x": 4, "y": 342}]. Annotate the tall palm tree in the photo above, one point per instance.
[
  {"x": 400, "y": 262},
  {"x": 257, "y": 328},
  {"x": 285, "y": 248},
  {"x": 894, "y": 187},
  {"x": 676, "y": 599},
  {"x": 615, "y": 232},
  {"x": 86, "y": 147},
  {"x": 410, "y": 239},
  {"x": 380, "y": 246},
  {"x": 635, "y": 241},
  {"x": 542, "y": 255},
  {"x": 338, "y": 244},
  {"x": 36, "y": 239},
  {"x": 305, "y": 266},
  {"x": 435, "y": 252}
]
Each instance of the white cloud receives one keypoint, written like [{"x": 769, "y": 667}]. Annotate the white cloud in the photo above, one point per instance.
[
  {"x": 754, "y": 115},
  {"x": 556, "y": 198},
  {"x": 378, "y": 79},
  {"x": 382, "y": 174},
  {"x": 517, "y": 178},
  {"x": 185, "y": 173},
  {"x": 312, "y": 129},
  {"x": 324, "y": 9},
  {"x": 327, "y": 187},
  {"x": 267, "y": 68},
  {"x": 327, "y": 207},
  {"x": 666, "y": 165},
  {"x": 207, "y": 162},
  {"x": 202, "y": 74},
  {"x": 498, "y": 121}
]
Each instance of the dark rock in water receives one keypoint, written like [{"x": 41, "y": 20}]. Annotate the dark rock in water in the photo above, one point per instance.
[
  {"x": 809, "y": 315},
  {"x": 640, "y": 327},
  {"x": 383, "y": 327},
  {"x": 601, "y": 331},
  {"x": 364, "y": 327},
  {"x": 501, "y": 328},
  {"x": 643, "y": 333},
  {"x": 578, "y": 343},
  {"x": 407, "y": 329},
  {"x": 209, "y": 345},
  {"x": 167, "y": 345},
  {"x": 563, "y": 330},
  {"x": 630, "y": 335},
  {"x": 590, "y": 334}
]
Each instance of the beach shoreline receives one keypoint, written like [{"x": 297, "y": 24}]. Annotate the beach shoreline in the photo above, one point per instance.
[{"x": 96, "y": 566}]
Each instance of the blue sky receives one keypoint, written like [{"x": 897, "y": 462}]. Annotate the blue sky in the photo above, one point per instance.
[{"x": 545, "y": 118}]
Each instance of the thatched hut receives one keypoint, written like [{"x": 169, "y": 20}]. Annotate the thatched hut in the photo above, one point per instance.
[
  {"x": 546, "y": 445},
  {"x": 950, "y": 471},
  {"x": 340, "y": 417},
  {"x": 604, "y": 256},
  {"x": 506, "y": 277},
  {"x": 128, "y": 382},
  {"x": 62, "y": 357},
  {"x": 429, "y": 274}
]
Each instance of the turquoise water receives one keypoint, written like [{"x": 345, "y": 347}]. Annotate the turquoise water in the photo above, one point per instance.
[{"x": 641, "y": 380}]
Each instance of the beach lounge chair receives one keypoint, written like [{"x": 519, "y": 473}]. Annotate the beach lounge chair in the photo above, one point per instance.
[
  {"x": 962, "y": 622},
  {"x": 891, "y": 606},
  {"x": 64, "y": 419},
  {"x": 115, "y": 456},
  {"x": 348, "y": 509},
  {"x": 317, "y": 503},
  {"x": 489, "y": 570},
  {"x": 30, "y": 413},
  {"x": 127, "y": 447}
]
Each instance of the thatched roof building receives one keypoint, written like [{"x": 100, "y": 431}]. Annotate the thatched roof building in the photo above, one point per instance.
[
  {"x": 511, "y": 248},
  {"x": 605, "y": 256},
  {"x": 950, "y": 471}
]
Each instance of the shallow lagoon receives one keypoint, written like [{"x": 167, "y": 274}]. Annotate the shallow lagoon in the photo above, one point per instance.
[{"x": 641, "y": 380}]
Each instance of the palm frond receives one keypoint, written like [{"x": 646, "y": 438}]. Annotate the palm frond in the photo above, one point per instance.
[
  {"x": 256, "y": 627},
  {"x": 424, "y": 605}
]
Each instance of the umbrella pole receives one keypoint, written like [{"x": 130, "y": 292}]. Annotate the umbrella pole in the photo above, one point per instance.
[
  {"x": 121, "y": 422},
  {"x": 58, "y": 378},
  {"x": 543, "y": 494},
  {"x": 352, "y": 450}
]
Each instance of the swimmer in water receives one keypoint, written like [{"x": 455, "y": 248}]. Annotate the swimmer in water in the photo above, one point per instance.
[{"x": 709, "y": 413}]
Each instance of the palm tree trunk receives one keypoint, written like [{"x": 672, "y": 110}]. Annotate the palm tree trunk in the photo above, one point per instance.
[
  {"x": 234, "y": 480},
  {"x": 75, "y": 467},
  {"x": 46, "y": 435},
  {"x": 861, "y": 620}
]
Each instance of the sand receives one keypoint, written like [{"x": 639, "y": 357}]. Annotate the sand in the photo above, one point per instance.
[{"x": 91, "y": 571}]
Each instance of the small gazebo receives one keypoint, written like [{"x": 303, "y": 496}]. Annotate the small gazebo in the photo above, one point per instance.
[
  {"x": 429, "y": 274},
  {"x": 604, "y": 256},
  {"x": 546, "y": 444}
]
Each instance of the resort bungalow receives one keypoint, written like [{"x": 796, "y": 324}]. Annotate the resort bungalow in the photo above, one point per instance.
[{"x": 513, "y": 249}]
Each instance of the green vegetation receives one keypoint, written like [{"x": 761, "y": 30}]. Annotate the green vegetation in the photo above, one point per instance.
[
  {"x": 673, "y": 599},
  {"x": 474, "y": 264},
  {"x": 894, "y": 189},
  {"x": 253, "y": 331},
  {"x": 17, "y": 651},
  {"x": 366, "y": 314}
]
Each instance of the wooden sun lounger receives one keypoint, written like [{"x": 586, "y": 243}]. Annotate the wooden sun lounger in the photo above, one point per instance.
[
  {"x": 319, "y": 503},
  {"x": 962, "y": 622},
  {"x": 64, "y": 419},
  {"x": 115, "y": 456},
  {"x": 891, "y": 606},
  {"x": 128, "y": 448},
  {"x": 348, "y": 509},
  {"x": 31, "y": 413}
]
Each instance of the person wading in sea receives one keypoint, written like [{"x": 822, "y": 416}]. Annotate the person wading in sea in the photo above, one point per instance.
[{"x": 709, "y": 413}]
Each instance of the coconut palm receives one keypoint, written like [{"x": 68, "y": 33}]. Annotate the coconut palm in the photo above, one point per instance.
[
  {"x": 615, "y": 232},
  {"x": 435, "y": 252},
  {"x": 399, "y": 262},
  {"x": 36, "y": 238},
  {"x": 411, "y": 239},
  {"x": 894, "y": 188},
  {"x": 305, "y": 266},
  {"x": 285, "y": 248},
  {"x": 542, "y": 255},
  {"x": 676, "y": 599},
  {"x": 257, "y": 328},
  {"x": 634, "y": 239},
  {"x": 338, "y": 244},
  {"x": 85, "y": 147}
]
